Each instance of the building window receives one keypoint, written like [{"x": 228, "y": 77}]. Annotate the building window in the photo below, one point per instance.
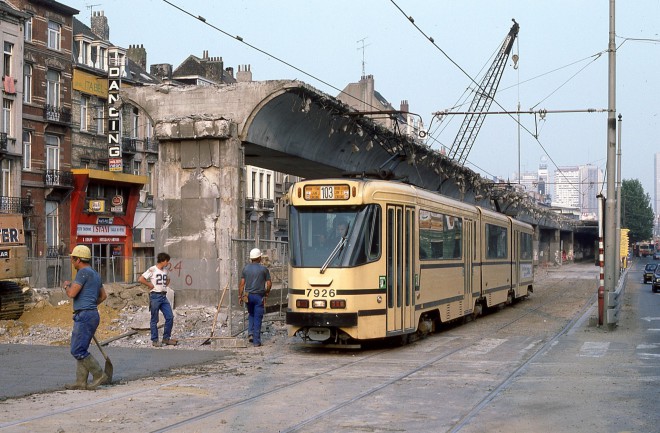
[
  {"x": 27, "y": 150},
  {"x": 137, "y": 167},
  {"x": 268, "y": 187},
  {"x": 27, "y": 83},
  {"x": 53, "y": 88},
  {"x": 6, "y": 116},
  {"x": 84, "y": 103},
  {"x": 100, "y": 117},
  {"x": 52, "y": 223},
  {"x": 150, "y": 178},
  {"x": 6, "y": 177},
  {"x": 9, "y": 49},
  {"x": 100, "y": 58},
  {"x": 27, "y": 34},
  {"x": 52, "y": 152},
  {"x": 83, "y": 56},
  {"x": 54, "y": 35},
  {"x": 135, "y": 121}
]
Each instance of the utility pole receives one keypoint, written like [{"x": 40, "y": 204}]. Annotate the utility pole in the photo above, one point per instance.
[
  {"x": 618, "y": 202},
  {"x": 610, "y": 203}
]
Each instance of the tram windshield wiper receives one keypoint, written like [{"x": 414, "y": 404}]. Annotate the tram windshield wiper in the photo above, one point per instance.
[{"x": 334, "y": 253}]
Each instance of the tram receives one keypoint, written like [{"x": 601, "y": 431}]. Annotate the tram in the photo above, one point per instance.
[{"x": 374, "y": 259}]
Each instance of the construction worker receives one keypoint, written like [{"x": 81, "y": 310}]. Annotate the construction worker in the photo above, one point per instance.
[
  {"x": 253, "y": 289},
  {"x": 87, "y": 293}
]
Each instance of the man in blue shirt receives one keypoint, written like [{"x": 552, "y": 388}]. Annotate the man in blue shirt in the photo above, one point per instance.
[
  {"x": 254, "y": 289},
  {"x": 87, "y": 292}
]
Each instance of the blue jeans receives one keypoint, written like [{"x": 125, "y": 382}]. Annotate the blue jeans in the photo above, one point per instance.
[
  {"x": 255, "y": 307},
  {"x": 158, "y": 302},
  {"x": 85, "y": 323}
]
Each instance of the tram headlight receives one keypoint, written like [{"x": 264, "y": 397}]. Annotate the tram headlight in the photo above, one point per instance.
[
  {"x": 319, "y": 303},
  {"x": 302, "y": 303}
]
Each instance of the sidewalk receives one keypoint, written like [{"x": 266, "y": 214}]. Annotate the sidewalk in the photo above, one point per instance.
[{"x": 588, "y": 379}]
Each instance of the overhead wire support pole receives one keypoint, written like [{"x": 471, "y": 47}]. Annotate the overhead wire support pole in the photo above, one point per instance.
[{"x": 610, "y": 202}]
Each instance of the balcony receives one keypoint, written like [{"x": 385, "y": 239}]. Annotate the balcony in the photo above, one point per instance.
[
  {"x": 16, "y": 205},
  {"x": 128, "y": 145},
  {"x": 151, "y": 145},
  {"x": 259, "y": 204},
  {"x": 58, "y": 184},
  {"x": 57, "y": 114},
  {"x": 58, "y": 178}
]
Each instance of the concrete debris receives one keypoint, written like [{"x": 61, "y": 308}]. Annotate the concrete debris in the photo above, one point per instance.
[{"x": 48, "y": 321}]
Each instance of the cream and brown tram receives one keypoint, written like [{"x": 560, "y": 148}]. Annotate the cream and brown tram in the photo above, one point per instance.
[{"x": 372, "y": 259}]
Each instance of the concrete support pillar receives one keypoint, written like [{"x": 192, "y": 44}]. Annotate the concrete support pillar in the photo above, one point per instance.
[
  {"x": 198, "y": 204},
  {"x": 555, "y": 248}
]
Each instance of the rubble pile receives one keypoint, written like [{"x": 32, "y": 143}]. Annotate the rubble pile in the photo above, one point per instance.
[{"x": 125, "y": 321}]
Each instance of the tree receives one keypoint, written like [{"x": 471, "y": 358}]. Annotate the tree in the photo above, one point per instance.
[{"x": 636, "y": 211}]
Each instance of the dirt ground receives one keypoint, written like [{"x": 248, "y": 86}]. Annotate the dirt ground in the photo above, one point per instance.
[{"x": 124, "y": 318}]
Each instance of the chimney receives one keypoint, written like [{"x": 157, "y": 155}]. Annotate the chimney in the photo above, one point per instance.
[
  {"x": 244, "y": 75},
  {"x": 161, "y": 70},
  {"x": 138, "y": 54},
  {"x": 99, "y": 26},
  {"x": 404, "y": 106}
]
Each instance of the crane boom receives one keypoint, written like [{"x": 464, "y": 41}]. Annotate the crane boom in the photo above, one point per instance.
[{"x": 482, "y": 101}]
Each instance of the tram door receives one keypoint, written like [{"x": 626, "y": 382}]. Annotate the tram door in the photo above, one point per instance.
[
  {"x": 469, "y": 255},
  {"x": 400, "y": 247}
]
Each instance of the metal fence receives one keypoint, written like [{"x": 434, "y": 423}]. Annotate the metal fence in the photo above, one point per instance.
[{"x": 52, "y": 272}]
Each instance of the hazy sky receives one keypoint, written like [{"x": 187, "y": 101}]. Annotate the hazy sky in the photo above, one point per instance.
[{"x": 562, "y": 48}]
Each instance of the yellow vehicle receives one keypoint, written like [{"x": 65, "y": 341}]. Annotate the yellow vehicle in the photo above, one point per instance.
[
  {"x": 405, "y": 260},
  {"x": 13, "y": 265}
]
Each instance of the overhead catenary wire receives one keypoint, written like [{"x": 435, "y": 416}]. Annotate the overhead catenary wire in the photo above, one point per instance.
[{"x": 432, "y": 41}]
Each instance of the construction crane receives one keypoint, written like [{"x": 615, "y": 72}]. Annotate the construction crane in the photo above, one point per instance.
[{"x": 482, "y": 101}]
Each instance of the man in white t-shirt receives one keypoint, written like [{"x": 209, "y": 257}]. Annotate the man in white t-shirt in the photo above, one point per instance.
[{"x": 157, "y": 280}]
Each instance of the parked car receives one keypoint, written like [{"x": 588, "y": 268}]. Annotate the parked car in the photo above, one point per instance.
[
  {"x": 656, "y": 255},
  {"x": 649, "y": 270},
  {"x": 656, "y": 280}
]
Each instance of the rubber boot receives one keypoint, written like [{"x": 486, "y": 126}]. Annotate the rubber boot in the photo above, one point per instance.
[
  {"x": 81, "y": 377},
  {"x": 98, "y": 375}
]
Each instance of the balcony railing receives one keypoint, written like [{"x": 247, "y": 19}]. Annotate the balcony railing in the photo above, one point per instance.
[
  {"x": 57, "y": 114},
  {"x": 151, "y": 145},
  {"x": 128, "y": 145},
  {"x": 58, "y": 178},
  {"x": 3, "y": 141},
  {"x": 260, "y": 204},
  {"x": 52, "y": 252},
  {"x": 15, "y": 205}
]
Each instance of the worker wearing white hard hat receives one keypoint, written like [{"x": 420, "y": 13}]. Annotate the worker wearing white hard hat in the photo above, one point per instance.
[{"x": 253, "y": 289}]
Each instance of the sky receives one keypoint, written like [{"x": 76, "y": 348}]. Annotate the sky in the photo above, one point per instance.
[{"x": 562, "y": 66}]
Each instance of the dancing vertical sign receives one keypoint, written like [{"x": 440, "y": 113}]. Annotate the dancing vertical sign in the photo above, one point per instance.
[{"x": 114, "y": 135}]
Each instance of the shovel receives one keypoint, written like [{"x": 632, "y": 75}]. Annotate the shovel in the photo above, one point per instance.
[
  {"x": 215, "y": 319},
  {"x": 108, "y": 365}
]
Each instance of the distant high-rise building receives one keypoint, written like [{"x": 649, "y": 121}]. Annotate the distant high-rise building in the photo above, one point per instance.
[
  {"x": 591, "y": 179},
  {"x": 567, "y": 187}
]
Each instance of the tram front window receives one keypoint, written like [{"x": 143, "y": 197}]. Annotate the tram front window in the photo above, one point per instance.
[{"x": 353, "y": 234}]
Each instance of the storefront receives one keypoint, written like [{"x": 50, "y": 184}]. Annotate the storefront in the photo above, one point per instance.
[{"x": 103, "y": 206}]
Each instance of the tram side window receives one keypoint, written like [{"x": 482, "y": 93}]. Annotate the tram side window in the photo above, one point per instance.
[
  {"x": 440, "y": 236},
  {"x": 496, "y": 242},
  {"x": 525, "y": 246}
]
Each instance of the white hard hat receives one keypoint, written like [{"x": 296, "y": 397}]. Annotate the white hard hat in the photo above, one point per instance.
[{"x": 255, "y": 253}]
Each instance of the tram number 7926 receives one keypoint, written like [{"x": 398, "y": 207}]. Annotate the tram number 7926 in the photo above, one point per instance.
[{"x": 317, "y": 293}]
